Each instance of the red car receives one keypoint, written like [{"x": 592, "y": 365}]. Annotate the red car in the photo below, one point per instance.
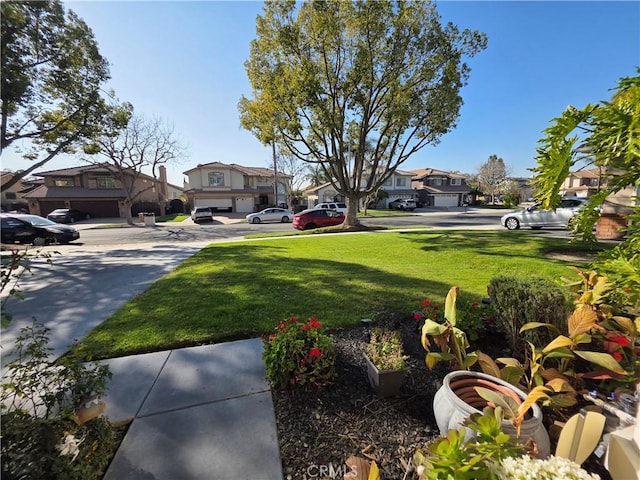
[{"x": 315, "y": 218}]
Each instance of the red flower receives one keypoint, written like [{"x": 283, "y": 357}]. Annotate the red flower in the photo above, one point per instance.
[
  {"x": 282, "y": 326},
  {"x": 293, "y": 319},
  {"x": 475, "y": 304},
  {"x": 315, "y": 352},
  {"x": 314, "y": 323},
  {"x": 426, "y": 303},
  {"x": 306, "y": 326},
  {"x": 620, "y": 340},
  {"x": 617, "y": 356},
  {"x": 417, "y": 315},
  {"x": 272, "y": 336}
]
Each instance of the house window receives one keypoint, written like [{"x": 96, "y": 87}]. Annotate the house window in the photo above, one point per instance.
[
  {"x": 330, "y": 196},
  {"x": 436, "y": 182},
  {"x": 63, "y": 182},
  {"x": 456, "y": 181},
  {"x": 105, "y": 183},
  {"x": 401, "y": 182},
  {"x": 216, "y": 179},
  {"x": 10, "y": 195},
  {"x": 388, "y": 182}
]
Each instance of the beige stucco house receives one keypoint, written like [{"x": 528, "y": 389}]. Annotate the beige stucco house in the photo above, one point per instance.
[
  {"x": 397, "y": 186},
  {"x": 233, "y": 187}
]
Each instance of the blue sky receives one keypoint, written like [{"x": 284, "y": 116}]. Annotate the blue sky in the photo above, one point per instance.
[{"x": 184, "y": 61}]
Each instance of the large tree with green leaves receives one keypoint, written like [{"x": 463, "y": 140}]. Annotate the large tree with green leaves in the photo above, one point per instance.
[
  {"x": 52, "y": 73},
  {"x": 604, "y": 135},
  {"x": 330, "y": 77}
]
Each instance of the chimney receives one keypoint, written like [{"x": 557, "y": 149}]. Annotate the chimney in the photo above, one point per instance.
[{"x": 164, "y": 187}]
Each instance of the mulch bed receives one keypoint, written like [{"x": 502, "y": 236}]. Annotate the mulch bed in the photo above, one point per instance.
[{"x": 320, "y": 427}]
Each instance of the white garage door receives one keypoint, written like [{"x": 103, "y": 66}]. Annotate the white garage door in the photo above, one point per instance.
[
  {"x": 450, "y": 200},
  {"x": 214, "y": 202},
  {"x": 244, "y": 204}
]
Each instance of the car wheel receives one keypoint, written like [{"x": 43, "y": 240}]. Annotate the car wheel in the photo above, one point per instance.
[
  {"x": 309, "y": 226},
  {"x": 38, "y": 241},
  {"x": 512, "y": 223},
  {"x": 285, "y": 219},
  {"x": 255, "y": 220}
]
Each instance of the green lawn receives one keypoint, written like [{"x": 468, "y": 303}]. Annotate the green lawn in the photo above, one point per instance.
[{"x": 235, "y": 290}]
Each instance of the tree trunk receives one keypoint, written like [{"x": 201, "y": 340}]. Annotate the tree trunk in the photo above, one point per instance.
[
  {"x": 351, "y": 218},
  {"x": 127, "y": 210}
]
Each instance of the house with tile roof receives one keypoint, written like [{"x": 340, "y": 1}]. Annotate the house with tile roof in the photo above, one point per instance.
[
  {"x": 437, "y": 188},
  {"x": 582, "y": 183},
  {"x": 397, "y": 186},
  {"x": 234, "y": 188},
  {"x": 97, "y": 190}
]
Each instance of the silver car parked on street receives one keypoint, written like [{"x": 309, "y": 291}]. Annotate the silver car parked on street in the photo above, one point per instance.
[
  {"x": 537, "y": 217},
  {"x": 271, "y": 215}
]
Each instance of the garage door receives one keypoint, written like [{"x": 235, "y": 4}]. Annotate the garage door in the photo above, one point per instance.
[
  {"x": 244, "y": 204},
  {"x": 98, "y": 208},
  {"x": 219, "y": 203},
  {"x": 47, "y": 207},
  {"x": 450, "y": 200}
]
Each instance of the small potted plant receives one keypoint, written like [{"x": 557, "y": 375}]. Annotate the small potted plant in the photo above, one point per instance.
[{"x": 385, "y": 359}]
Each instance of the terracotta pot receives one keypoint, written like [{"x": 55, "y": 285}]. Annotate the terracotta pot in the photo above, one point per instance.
[
  {"x": 386, "y": 383},
  {"x": 456, "y": 400}
]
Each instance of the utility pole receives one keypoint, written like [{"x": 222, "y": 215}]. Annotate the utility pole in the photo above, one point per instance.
[{"x": 275, "y": 173}]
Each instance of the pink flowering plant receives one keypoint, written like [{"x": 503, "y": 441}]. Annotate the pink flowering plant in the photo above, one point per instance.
[{"x": 298, "y": 353}]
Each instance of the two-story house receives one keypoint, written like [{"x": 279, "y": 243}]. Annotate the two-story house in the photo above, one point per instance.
[
  {"x": 583, "y": 183},
  {"x": 234, "y": 188},
  {"x": 437, "y": 188},
  {"x": 96, "y": 190},
  {"x": 397, "y": 186},
  {"x": 12, "y": 198}
]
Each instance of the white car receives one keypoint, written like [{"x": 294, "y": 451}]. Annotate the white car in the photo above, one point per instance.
[
  {"x": 536, "y": 217},
  {"x": 338, "y": 207},
  {"x": 199, "y": 214},
  {"x": 271, "y": 215}
]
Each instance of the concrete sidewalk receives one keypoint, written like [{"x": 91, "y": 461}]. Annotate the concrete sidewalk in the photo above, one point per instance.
[{"x": 198, "y": 413}]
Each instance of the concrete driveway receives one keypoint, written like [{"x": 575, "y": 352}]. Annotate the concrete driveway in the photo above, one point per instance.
[{"x": 83, "y": 286}]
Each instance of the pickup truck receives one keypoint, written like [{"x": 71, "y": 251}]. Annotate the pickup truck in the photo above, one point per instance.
[{"x": 338, "y": 207}]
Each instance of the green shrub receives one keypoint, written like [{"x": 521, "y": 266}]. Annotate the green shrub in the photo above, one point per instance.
[
  {"x": 511, "y": 200},
  {"x": 39, "y": 399},
  {"x": 298, "y": 354},
  {"x": 42, "y": 388},
  {"x": 517, "y": 301},
  {"x": 454, "y": 456},
  {"x": 32, "y": 447},
  {"x": 385, "y": 349}
]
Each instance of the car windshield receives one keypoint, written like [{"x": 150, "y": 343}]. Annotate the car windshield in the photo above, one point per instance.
[{"x": 38, "y": 221}]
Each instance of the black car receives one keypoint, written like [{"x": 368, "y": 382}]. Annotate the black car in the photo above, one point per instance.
[
  {"x": 33, "y": 229},
  {"x": 68, "y": 215}
]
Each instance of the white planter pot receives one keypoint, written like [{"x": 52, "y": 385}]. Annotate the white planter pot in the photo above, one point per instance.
[{"x": 450, "y": 411}]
